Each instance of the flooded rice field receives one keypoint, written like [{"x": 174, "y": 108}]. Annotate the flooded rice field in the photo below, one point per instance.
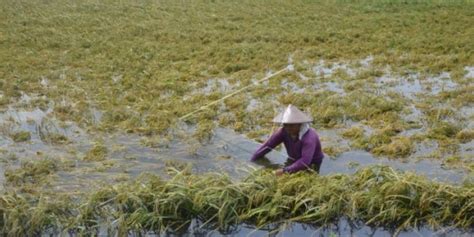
[
  {"x": 30, "y": 132},
  {"x": 44, "y": 154},
  {"x": 139, "y": 118},
  {"x": 61, "y": 157}
]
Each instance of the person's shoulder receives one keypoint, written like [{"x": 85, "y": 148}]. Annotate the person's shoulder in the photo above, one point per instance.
[
  {"x": 312, "y": 134},
  {"x": 313, "y": 131}
]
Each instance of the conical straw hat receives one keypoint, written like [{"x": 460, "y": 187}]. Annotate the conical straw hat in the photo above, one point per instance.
[{"x": 292, "y": 115}]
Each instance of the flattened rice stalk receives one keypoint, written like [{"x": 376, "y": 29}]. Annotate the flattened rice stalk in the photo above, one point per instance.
[{"x": 377, "y": 196}]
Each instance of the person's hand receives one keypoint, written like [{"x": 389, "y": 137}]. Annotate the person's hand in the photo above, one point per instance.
[{"x": 279, "y": 172}]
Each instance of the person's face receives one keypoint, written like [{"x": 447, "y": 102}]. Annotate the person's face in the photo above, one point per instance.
[{"x": 292, "y": 129}]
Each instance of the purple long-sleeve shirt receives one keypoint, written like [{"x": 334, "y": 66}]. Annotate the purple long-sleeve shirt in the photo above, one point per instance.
[{"x": 305, "y": 152}]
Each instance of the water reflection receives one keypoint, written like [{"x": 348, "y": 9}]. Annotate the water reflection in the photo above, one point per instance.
[{"x": 342, "y": 227}]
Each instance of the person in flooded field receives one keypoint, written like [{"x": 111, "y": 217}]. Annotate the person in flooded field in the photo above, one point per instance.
[{"x": 301, "y": 142}]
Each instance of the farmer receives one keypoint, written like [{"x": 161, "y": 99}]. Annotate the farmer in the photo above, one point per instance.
[{"x": 301, "y": 142}]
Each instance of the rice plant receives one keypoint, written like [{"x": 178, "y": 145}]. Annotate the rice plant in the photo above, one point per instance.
[{"x": 377, "y": 196}]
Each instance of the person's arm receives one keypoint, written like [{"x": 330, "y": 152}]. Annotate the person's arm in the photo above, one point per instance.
[
  {"x": 307, "y": 153},
  {"x": 270, "y": 144}
]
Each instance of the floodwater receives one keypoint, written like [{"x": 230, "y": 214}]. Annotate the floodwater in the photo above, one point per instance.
[
  {"x": 342, "y": 228},
  {"x": 239, "y": 148},
  {"x": 226, "y": 152},
  {"x": 412, "y": 86}
]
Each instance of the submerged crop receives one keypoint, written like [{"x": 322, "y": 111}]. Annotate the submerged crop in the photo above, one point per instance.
[
  {"x": 373, "y": 70},
  {"x": 98, "y": 152},
  {"x": 31, "y": 171},
  {"x": 21, "y": 136},
  {"x": 376, "y": 195},
  {"x": 143, "y": 77}
]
